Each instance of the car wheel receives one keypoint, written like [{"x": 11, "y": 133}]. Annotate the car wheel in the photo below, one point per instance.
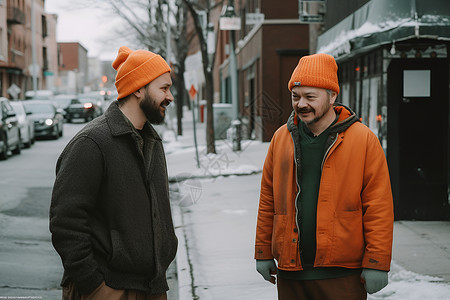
[
  {"x": 61, "y": 131},
  {"x": 4, "y": 153},
  {"x": 27, "y": 144},
  {"x": 17, "y": 150},
  {"x": 56, "y": 133}
]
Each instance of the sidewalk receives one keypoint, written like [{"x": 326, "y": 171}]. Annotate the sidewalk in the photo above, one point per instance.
[
  {"x": 423, "y": 247},
  {"x": 215, "y": 218}
]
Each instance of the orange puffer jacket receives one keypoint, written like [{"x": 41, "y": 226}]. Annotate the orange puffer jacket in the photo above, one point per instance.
[{"x": 354, "y": 210}]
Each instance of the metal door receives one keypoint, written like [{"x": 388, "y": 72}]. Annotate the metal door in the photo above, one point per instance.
[{"x": 418, "y": 137}]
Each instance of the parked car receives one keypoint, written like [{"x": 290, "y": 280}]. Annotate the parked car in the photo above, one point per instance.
[
  {"x": 39, "y": 95},
  {"x": 98, "y": 98},
  {"x": 9, "y": 130},
  {"x": 83, "y": 108},
  {"x": 26, "y": 124},
  {"x": 48, "y": 119},
  {"x": 63, "y": 101}
]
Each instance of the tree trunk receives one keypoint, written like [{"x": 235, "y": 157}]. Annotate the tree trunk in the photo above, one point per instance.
[
  {"x": 207, "y": 71},
  {"x": 181, "y": 96}
]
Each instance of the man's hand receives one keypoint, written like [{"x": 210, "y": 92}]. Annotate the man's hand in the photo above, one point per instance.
[
  {"x": 374, "y": 280},
  {"x": 267, "y": 268}
]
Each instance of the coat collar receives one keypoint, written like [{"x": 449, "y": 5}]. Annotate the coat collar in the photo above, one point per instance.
[
  {"x": 120, "y": 125},
  {"x": 346, "y": 118}
]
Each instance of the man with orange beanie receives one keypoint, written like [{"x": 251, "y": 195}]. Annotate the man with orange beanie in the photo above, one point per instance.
[
  {"x": 110, "y": 215},
  {"x": 325, "y": 210}
]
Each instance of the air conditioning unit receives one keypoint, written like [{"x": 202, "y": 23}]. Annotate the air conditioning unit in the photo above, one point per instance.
[{"x": 311, "y": 11}]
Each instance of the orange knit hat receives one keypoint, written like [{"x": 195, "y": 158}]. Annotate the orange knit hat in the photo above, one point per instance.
[
  {"x": 317, "y": 70},
  {"x": 136, "y": 69}
]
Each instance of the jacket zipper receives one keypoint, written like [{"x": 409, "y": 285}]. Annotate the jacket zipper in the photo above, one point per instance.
[
  {"x": 298, "y": 186},
  {"x": 328, "y": 150},
  {"x": 296, "y": 197}
]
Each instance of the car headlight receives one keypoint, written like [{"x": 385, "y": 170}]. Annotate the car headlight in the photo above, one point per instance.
[{"x": 48, "y": 122}]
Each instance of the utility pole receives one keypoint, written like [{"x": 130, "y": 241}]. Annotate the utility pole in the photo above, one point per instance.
[
  {"x": 168, "y": 35},
  {"x": 33, "y": 46},
  {"x": 231, "y": 22}
]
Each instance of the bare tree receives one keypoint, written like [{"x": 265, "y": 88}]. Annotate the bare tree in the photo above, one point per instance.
[
  {"x": 182, "y": 45},
  {"x": 147, "y": 23},
  {"x": 208, "y": 62}
]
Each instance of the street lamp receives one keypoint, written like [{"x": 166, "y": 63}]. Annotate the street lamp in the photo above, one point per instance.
[{"x": 231, "y": 22}]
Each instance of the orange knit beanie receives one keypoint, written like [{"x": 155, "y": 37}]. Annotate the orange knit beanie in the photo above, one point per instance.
[
  {"x": 317, "y": 70},
  {"x": 136, "y": 69}
]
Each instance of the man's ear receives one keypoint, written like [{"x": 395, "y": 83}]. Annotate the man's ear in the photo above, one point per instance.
[
  {"x": 139, "y": 93},
  {"x": 333, "y": 97}
]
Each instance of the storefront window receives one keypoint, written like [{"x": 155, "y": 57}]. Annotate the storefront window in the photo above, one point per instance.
[
  {"x": 345, "y": 94},
  {"x": 374, "y": 119},
  {"x": 365, "y": 101}
]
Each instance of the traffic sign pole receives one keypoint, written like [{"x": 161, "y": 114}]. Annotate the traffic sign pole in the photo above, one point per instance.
[{"x": 193, "y": 94}]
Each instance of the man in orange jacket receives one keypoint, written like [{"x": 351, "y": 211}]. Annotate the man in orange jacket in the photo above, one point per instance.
[{"x": 325, "y": 210}]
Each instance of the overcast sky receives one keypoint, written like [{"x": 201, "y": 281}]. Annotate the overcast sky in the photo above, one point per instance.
[{"x": 91, "y": 27}]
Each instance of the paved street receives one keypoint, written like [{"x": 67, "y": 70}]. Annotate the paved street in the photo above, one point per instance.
[{"x": 29, "y": 266}]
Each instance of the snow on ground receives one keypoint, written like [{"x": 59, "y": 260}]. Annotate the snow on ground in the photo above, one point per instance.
[{"x": 408, "y": 285}]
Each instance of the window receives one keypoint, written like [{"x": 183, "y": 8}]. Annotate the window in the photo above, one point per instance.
[
  {"x": 44, "y": 26},
  {"x": 416, "y": 83}
]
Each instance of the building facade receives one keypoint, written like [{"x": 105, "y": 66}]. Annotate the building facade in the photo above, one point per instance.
[
  {"x": 393, "y": 59},
  {"x": 268, "y": 46},
  {"x": 73, "y": 68},
  {"x": 28, "y": 50}
]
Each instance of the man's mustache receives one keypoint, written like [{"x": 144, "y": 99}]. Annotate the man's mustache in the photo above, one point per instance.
[{"x": 306, "y": 110}]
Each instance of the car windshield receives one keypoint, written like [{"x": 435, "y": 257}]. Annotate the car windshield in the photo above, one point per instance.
[
  {"x": 62, "y": 101},
  {"x": 86, "y": 99},
  {"x": 39, "y": 108}
]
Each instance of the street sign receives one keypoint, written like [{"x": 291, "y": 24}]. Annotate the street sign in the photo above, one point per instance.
[
  {"x": 14, "y": 91},
  {"x": 254, "y": 18},
  {"x": 192, "y": 92},
  {"x": 230, "y": 23},
  {"x": 34, "y": 69}
]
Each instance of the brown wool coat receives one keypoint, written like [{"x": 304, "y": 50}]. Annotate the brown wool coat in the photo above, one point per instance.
[{"x": 110, "y": 215}]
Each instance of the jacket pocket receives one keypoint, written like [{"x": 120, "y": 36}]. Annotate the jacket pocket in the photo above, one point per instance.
[
  {"x": 130, "y": 258},
  {"x": 279, "y": 226},
  {"x": 348, "y": 238}
]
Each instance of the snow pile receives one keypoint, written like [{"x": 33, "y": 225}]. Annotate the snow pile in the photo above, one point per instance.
[
  {"x": 342, "y": 39},
  {"x": 405, "y": 284}
]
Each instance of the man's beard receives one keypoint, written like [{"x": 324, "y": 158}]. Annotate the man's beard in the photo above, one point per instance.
[
  {"x": 151, "y": 110},
  {"x": 323, "y": 111},
  {"x": 316, "y": 118}
]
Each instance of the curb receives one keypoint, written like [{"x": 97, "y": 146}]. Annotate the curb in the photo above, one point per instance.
[
  {"x": 183, "y": 266},
  {"x": 175, "y": 179}
]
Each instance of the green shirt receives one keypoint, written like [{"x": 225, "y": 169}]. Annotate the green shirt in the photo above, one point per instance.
[{"x": 312, "y": 149}]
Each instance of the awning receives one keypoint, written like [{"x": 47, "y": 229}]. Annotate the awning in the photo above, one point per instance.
[
  {"x": 381, "y": 22},
  {"x": 11, "y": 69}
]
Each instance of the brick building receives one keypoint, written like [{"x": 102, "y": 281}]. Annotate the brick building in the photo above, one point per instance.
[
  {"x": 268, "y": 46},
  {"x": 73, "y": 67},
  {"x": 16, "y": 51}
]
